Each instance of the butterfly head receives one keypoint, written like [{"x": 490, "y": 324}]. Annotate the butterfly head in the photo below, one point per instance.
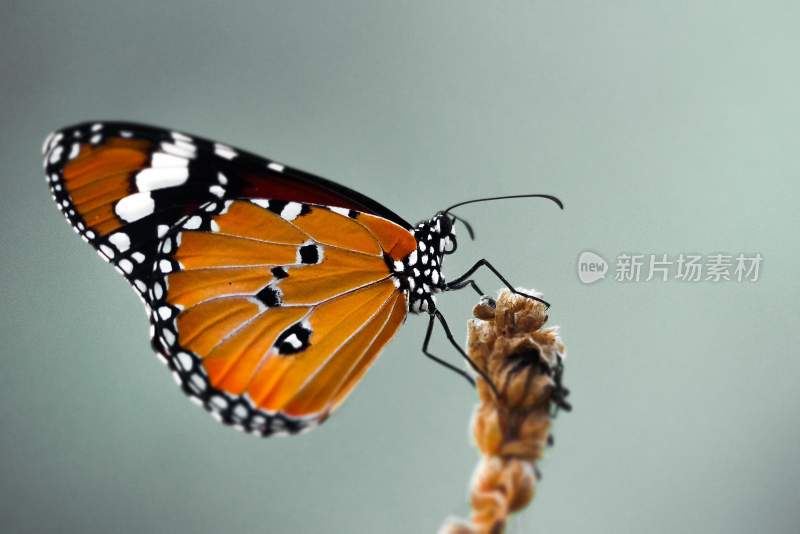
[{"x": 442, "y": 234}]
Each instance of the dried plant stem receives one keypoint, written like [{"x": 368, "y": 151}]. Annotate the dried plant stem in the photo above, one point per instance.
[{"x": 506, "y": 339}]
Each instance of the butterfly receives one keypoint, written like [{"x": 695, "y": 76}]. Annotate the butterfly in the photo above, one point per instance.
[{"x": 270, "y": 291}]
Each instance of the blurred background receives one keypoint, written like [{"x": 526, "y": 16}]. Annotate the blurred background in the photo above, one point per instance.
[{"x": 666, "y": 128}]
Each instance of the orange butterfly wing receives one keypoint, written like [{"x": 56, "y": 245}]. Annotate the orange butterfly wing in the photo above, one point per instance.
[{"x": 270, "y": 312}]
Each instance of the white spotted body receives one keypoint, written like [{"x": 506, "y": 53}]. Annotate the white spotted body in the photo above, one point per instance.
[{"x": 420, "y": 273}]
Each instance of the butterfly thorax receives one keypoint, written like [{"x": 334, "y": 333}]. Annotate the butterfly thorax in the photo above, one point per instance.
[{"x": 420, "y": 273}]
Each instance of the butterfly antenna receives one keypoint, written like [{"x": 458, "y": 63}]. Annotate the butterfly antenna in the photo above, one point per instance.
[
  {"x": 549, "y": 197},
  {"x": 467, "y": 225}
]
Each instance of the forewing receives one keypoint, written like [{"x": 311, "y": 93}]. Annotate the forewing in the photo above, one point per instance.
[{"x": 122, "y": 186}]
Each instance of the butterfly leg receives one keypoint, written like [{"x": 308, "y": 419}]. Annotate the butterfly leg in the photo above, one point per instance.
[
  {"x": 465, "y": 283},
  {"x": 464, "y": 279},
  {"x": 455, "y": 344},
  {"x": 436, "y": 358}
]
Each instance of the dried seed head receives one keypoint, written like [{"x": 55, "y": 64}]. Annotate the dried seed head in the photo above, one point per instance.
[{"x": 506, "y": 339}]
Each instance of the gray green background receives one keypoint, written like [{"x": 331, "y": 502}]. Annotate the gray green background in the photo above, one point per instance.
[{"x": 665, "y": 127}]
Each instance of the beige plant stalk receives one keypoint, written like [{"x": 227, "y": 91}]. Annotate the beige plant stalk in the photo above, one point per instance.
[{"x": 508, "y": 341}]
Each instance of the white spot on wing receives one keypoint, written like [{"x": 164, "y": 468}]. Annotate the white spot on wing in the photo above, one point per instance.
[
  {"x": 168, "y": 336},
  {"x": 152, "y": 179},
  {"x": 224, "y": 151},
  {"x": 179, "y": 148},
  {"x": 277, "y": 167},
  {"x": 46, "y": 143},
  {"x": 107, "y": 251},
  {"x": 181, "y": 137},
  {"x": 126, "y": 265},
  {"x": 198, "y": 382},
  {"x": 260, "y": 202},
  {"x": 120, "y": 240},
  {"x": 158, "y": 290},
  {"x": 294, "y": 341},
  {"x": 193, "y": 223},
  {"x": 55, "y": 154},
  {"x": 162, "y": 159},
  {"x": 134, "y": 207},
  {"x": 340, "y": 211},
  {"x": 184, "y": 361},
  {"x": 291, "y": 210},
  {"x": 218, "y": 402}
]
